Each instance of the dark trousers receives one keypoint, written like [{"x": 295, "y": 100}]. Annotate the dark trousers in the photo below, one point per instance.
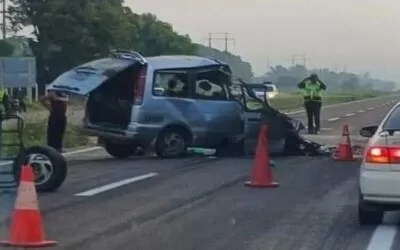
[
  {"x": 313, "y": 110},
  {"x": 55, "y": 131}
]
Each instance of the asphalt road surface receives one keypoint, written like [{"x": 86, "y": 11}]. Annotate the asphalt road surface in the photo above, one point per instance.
[{"x": 201, "y": 203}]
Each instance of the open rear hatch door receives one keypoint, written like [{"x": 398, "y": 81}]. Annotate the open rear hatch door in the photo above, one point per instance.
[{"x": 87, "y": 77}]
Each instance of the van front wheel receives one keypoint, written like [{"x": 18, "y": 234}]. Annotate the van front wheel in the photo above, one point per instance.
[
  {"x": 118, "y": 150},
  {"x": 171, "y": 143}
]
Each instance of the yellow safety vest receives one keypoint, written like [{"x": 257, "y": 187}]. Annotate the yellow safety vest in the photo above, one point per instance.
[{"x": 312, "y": 91}]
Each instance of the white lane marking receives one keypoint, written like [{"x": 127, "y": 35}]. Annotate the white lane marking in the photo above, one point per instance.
[
  {"x": 5, "y": 163},
  {"x": 84, "y": 150},
  {"x": 361, "y": 111},
  {"x": 323, "y": 129},
  {"x": 349, "y": 114},
  {"x": 372, "y": 108},
  {"x": 117, "y": 184},
  {"x": 383, "y": 238},
  {"x": 384, "y": 235},
  {"x": 333, "y": 119}
]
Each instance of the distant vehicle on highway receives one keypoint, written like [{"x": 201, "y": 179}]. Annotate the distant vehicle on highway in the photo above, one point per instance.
[
  {"x": 163, "y": 103},
  {"x": 380, "y": 169},
  {"x": 265, "y": 89},
  {"x": 271, "y": 90}
]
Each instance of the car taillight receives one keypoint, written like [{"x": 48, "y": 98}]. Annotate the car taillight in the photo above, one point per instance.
[
  {"x": 383, "y": 155},
  {"x": 139, "y": 86}
]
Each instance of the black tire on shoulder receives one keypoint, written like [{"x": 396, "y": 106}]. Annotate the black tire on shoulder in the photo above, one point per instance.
[
  {"x": 120, "y": 151},
  {"x": 160, "y": 149},
  {"x": 57, "y": 160},
  {"x": 368, "y": 215}
]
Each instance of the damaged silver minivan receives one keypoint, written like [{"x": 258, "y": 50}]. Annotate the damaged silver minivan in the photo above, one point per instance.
[{"x": 163, "y": 104}]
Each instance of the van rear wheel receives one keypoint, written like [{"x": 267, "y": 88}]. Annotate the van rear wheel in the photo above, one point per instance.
[
  {"x": 119, "y": 151},
  {"x": 171, "y": 143}
]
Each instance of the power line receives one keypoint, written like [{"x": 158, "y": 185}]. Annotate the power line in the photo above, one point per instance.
[{"x": 218, "y": 36}]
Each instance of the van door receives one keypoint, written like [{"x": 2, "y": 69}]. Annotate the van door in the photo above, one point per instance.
[
  {"x": 85, "y": 78},
  {"x": 171, "y": 102},
  {"x": 222, "y": 118},
  {"x": 257, "y": 113}
]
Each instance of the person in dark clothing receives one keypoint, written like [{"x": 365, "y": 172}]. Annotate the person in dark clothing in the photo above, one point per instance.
[
  {"x": 312, "y": 87},
  {"x": 56, "y": 103}
]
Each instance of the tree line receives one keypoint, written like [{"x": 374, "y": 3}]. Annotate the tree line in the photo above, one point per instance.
[
  {"x": 287, "y": 78},
  {"x": 68, "y": 33}
]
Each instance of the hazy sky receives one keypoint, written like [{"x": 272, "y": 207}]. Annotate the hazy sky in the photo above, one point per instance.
[{"x": 360, "y": 35}]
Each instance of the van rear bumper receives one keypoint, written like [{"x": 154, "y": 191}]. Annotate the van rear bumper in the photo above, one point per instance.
[{"x": 140, "y": 137}]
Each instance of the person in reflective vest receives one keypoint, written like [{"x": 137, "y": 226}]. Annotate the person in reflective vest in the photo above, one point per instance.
[{"x": 312, "y": 92}]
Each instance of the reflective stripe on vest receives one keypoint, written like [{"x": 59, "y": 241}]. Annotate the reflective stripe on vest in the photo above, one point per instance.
[{"x": 312, "y": 91}]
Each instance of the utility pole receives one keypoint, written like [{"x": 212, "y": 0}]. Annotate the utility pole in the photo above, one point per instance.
[
  {"x": 225, "y": 36},
  {"x": 302, "y": 58}
]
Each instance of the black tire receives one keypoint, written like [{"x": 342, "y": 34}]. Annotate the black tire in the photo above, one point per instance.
[
  {"x": 180, "y": 133},
  {"x": 368, "y": 215},
  {"x": 57, "y": 160},
  {"x": 119, "y": 151}
]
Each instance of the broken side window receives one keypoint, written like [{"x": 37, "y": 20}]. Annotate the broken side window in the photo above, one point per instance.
[
  {"x": 171, "y": 84},
  {"x": 211, "y": 85}
]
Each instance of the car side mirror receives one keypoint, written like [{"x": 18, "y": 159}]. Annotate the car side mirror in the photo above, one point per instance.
[{"x": 368, "y": 131}]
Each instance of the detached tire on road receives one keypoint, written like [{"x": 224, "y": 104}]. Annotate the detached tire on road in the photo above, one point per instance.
[
  {"x": 49, "y": 167},
  {"x": 119, "y": 151},
  {"x": 368, "y": 215}
]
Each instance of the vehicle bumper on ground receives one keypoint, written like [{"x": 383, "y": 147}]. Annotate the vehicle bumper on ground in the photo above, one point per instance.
[{"x": 382, "y": 187}]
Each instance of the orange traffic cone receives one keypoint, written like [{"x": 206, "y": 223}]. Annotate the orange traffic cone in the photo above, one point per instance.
[
  {"x": 262, "y": 172},
  {"x": 26, "y": 229},
  {"x": 344, "y": 151}
]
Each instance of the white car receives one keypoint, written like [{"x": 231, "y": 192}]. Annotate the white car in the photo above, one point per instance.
[
  {"x": 380, "y": 169},
  {"x": 271, "y": 91}
]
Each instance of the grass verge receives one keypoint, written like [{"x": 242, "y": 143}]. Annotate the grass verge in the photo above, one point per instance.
[
  {"x": 34, "y": 106},
  {"x": 294, "y": 101},
  {"x": 35, "y": 134}
]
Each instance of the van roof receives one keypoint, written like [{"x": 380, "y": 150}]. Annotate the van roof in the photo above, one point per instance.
[{"x": 180, "y": 61}]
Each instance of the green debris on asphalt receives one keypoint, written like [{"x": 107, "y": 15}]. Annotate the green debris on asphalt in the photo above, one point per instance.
[{"x": 201, "y": 151}]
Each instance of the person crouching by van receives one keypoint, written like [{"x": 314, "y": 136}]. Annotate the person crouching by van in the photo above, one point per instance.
[{"x": 56, "y": 103}]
